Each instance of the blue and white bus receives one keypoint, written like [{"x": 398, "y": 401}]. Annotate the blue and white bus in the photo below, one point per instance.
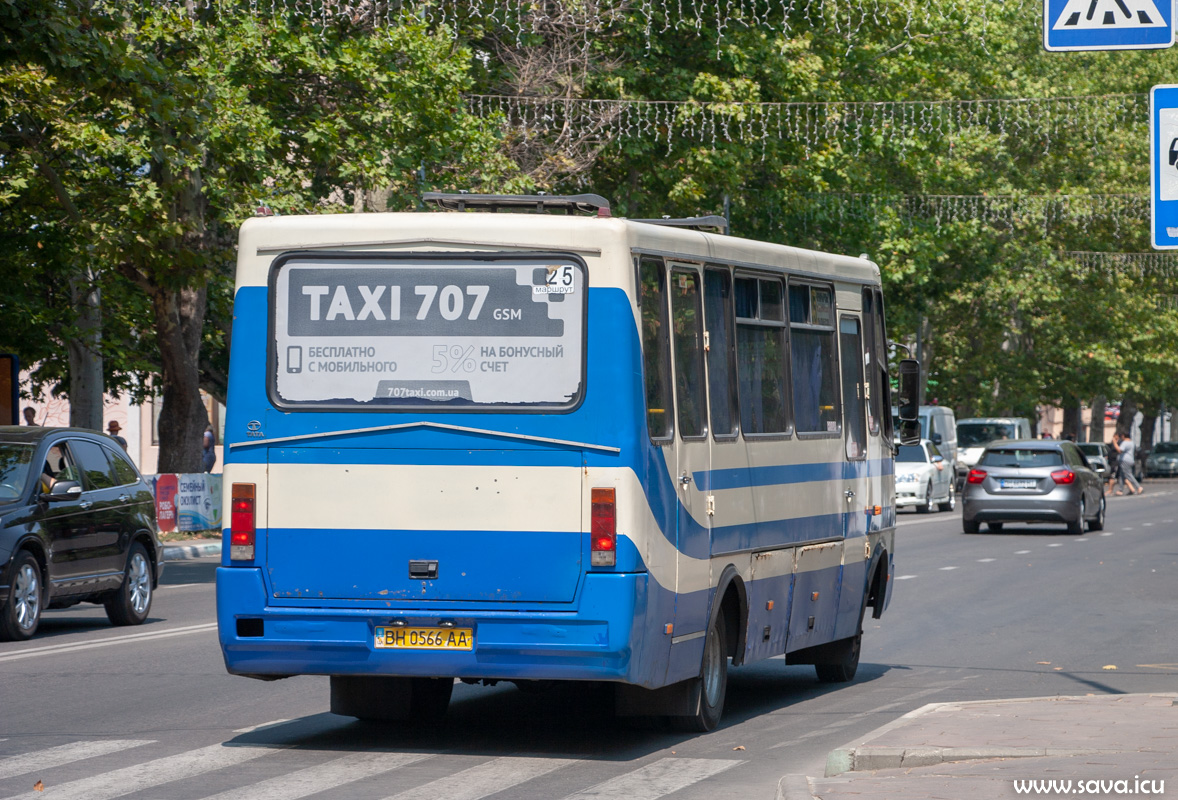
[{"x": 549, "y": 446}]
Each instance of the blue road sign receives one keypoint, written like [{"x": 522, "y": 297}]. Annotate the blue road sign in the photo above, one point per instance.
[
  {"x": 1108, "y": 24},
  {"x": 1163, "y": 167}
]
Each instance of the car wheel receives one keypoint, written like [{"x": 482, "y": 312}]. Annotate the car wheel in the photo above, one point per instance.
[
  {"x": 1097, "y": 522},
  {"x": 1077, "y": 527},
  {"x": 132, "y": 602},
  {"x": 970, "y": 526},
  {"x": 951, "y": 503},
  {"x": 994, "y": 526},
  {"x": 22, "y": 608},
  {"x": 928, "y": 500},
  {"x": 712, "y": 680}
]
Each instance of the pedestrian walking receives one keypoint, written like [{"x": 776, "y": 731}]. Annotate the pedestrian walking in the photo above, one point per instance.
[
  {"x": 208, "y": 455},
  {"x": 112, "y": 430},
  {"x": 1125, "y": 461}
]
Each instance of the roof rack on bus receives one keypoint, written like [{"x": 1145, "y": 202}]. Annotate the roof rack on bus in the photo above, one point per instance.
[
  {"x": 541, "y": 203},
  {"x": 713, "y": 222}
]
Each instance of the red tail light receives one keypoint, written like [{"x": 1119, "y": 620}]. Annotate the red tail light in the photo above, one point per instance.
[
  {"x": 976, "y": 475},
  {"x": 241, "y": 523},
  {"x": 603, "y": 529},
  {"x": 1063, "y": 476}
]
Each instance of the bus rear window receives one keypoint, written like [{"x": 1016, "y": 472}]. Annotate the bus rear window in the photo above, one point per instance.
[{"x": 451, "y": 332}]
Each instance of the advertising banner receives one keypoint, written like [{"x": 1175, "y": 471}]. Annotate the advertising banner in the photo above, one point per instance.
[{"x": 187, "y": 502}]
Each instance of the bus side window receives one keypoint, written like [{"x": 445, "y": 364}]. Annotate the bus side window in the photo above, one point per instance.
[
  {"x": 852, "y": 369},
  {"x": 656, "y": 347},
  {"x": 882, "y": 388},
  {"x": 815, "y": 363},
  {"x": 874, "y": 389},
  {"x": 761, "y": 355},
  {"x": 687, "y": 321},
  {"x": 720, "y": 354}
]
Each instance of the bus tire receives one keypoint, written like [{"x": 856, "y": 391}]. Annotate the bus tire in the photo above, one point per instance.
[
  {"x": 844, "y": 658},
  {"x": 711, "y": 687},
  {"x": 382, "y": 699}
]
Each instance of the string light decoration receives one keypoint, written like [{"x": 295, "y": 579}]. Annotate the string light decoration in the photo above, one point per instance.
[
  {"x": 1126, "y": 212},
  {"x": 811, "y": 123},
  {"x": 846, "y": 18},
  {"x": 1141, "y": 266}
]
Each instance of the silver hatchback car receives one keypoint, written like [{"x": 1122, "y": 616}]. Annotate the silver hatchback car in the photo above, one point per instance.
[{"x": 1033, "y": 480}]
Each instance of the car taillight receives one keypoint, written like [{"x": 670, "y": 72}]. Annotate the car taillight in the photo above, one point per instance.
[
  {"x": 603, "y": 529},
  {"x": 976, "y": 475},
  {"x": 1063, "y": 476},
  {"x": 241, "y": 523}
]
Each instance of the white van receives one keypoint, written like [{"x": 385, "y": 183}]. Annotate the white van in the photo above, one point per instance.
[
  {"x": 938, "y": 425},
  {"x": 975, "y": 433}
]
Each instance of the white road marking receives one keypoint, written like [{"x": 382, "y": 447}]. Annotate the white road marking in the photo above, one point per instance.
[
  {"x": 52, "y": 757},
  {"x": 1147, "y": 524},
  {"x": 905, "y": 577},
  {"x": 321, "y": 777},
  {"x": 262, "y": 727},
  {"x": 149, "y": 774},
  {"x": 946, "y": 569},
  {"x": 1081, "y": 539},
  {"x": 107, "y": 642},
  {"x": 1107, "y": 533},
  {"x": 655, "y": 780},
  {"x": 986, "y": 560},
  {"x": 1021, "y": 552},
  {"x": 485, "y": 779},
  {"x": 1126, "y": 529},
  {"x": 1055, "y": 544}
]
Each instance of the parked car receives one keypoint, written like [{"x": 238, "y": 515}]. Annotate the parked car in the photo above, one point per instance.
[
  {"x": 1033, "y": 480},
  {"x": 975, "y": 433},
  {"x": 1163, "y": 460},
  {"x": 924, "y": 478},
  {"x": 77, "y": 524},
  {"x": 938, "y": 425},
  {"x": 1098, "y": 454}
]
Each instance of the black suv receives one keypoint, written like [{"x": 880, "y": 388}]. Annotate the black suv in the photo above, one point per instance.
[{"x": 77, "y": 523}]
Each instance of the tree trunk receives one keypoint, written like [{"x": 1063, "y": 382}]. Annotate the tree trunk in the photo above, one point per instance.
[
  {"x": 179, "y": 320},
  {"x": 1148, "y": 420},
  {"x": 1125, "y": 418},
  {"x": 1071, "y": 420},
  {"x": 1096, "y": 426},
  {"x": 85, "y": 353}
]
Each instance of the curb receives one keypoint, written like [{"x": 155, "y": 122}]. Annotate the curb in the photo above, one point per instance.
[
  {"x": 794, "y": 787},
  {"x": 181, "y": 552},
  {"x": 865, "y": 759}
]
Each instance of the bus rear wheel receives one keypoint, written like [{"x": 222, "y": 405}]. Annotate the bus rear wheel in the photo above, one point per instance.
[
  {"x": 382, "y": 699},
  {"x": 712, "y": 682}
]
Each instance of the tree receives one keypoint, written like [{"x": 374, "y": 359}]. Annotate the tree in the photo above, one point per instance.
[{"x": 169, "y": 126}]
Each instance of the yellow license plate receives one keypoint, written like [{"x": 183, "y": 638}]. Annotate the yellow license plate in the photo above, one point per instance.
[{"x": 424, "y": 638}]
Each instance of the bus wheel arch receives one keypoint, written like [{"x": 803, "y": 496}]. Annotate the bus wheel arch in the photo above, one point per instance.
[
  {"x": 731, "y": 600},
  {"x": 877, "y": 586}
]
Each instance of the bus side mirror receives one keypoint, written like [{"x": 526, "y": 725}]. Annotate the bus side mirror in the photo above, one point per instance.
[{"x": 909, "y": 401}]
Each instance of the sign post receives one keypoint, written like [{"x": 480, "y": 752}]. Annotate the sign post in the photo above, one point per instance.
[
  {"x": 1163, "y": 167},
  {"x": 1108, "y": 24}
]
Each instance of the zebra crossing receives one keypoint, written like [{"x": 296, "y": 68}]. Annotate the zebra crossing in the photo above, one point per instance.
[{"x": 288, "y": 772}]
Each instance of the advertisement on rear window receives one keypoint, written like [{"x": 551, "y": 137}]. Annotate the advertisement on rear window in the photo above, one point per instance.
[{"x": 435, "y": 332}]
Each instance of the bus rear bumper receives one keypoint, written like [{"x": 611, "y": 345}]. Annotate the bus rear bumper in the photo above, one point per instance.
[{"x": 594, "y": 642}]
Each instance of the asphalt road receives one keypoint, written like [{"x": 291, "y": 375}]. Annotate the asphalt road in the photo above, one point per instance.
[{"x": 97, "y": 712}]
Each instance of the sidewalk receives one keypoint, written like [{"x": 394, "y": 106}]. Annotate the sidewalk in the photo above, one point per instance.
[
  {"x": 193, "y": 548},
  {"x": 1105, "y": 745}
]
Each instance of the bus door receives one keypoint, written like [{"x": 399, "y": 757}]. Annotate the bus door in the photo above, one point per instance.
[
  {"x": 859, "y": 500},
  {"x": 692, "y": 453}
]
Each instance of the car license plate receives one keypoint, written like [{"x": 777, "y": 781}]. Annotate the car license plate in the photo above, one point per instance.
[
  {"x": 1018, "y": 484},
  {"x": 397, "y": 638}
]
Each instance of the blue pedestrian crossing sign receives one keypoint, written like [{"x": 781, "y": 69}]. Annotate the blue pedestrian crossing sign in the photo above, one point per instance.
[
  {"x": 1108, "y": 24},
  {"x": 1163, "y": 167}
]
